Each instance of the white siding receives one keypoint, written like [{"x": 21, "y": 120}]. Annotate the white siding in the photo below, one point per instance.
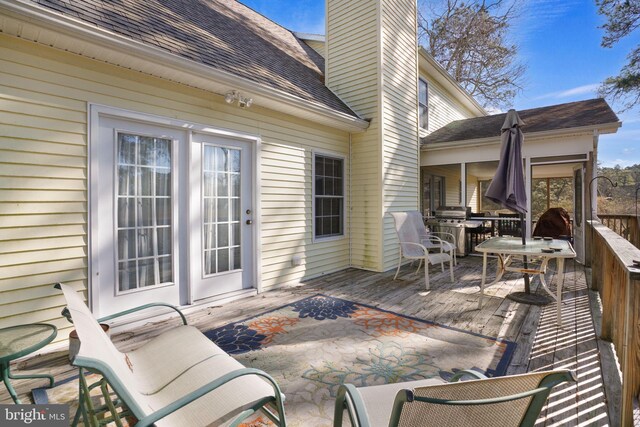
[{"x": 44, "y": 95}]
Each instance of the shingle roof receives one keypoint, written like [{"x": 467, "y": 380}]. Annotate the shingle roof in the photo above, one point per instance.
[
  {"x": 554, "y": 117},
  {"x": 222, "y": 34}
]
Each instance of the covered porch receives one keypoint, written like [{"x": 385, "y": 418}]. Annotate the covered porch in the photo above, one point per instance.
[
  {"x": 540, "y": 345},
  {"x": 559, "y": 158}
]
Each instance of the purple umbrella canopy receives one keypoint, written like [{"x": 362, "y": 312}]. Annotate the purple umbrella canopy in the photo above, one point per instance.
[{"x": 507, "y": 187}]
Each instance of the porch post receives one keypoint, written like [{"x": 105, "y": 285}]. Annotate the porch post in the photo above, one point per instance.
[
  {"x": 463, "y": 184},
  {"x": 527, "y": 184}
]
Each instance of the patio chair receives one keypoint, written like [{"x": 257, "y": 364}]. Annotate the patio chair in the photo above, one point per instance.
[
  {"x": 509, "y": 227},
  {"x": 411, "y": 247},
  {"x": 179, "y": 378},
  {"x": 501, "y": 401},
  {"x": 434, "y": 240}
]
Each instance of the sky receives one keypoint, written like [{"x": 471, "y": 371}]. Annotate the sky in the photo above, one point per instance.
[{"x": 559, "y": 42}]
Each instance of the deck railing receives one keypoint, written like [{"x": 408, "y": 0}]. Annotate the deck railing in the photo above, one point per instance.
[
  {"x": 625, "y": 225},
  {"x": 618, "y": 283}
]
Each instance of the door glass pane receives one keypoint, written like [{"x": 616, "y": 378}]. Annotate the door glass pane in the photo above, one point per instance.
[
  {"x": 144, "y": 203},
  {"x": 221, "y": 178}
]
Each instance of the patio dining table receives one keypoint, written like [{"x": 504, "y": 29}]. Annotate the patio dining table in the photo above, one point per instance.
[{"x": 543, "y": 250}]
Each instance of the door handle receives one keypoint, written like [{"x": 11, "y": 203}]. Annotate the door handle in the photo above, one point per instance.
[{"x": 249, "y": 222}]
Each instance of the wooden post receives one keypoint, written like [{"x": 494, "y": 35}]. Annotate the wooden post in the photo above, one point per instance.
[{"x": 618, "y": 282}]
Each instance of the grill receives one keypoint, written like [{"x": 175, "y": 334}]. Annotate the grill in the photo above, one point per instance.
[{"x": 454, "y": 220}]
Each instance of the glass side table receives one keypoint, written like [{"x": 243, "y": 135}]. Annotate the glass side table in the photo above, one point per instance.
[{"x": 18, "y": 341}]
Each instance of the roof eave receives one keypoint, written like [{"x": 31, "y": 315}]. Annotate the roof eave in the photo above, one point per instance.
[
  {"x": 600, "y": 128},
  {"x": 34, "y": 23}
]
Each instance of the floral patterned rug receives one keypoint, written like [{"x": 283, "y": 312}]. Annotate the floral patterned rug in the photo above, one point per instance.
[{"x": 313, "y": 345}]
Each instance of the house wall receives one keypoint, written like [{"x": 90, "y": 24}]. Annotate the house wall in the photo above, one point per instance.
[
  {"x": 352, "y": 71},
  {"x": 443, "y": 109},
  {"x": 400, "y": 165},
  {"x": 375, "y": 72},
  {"x": 44, "y": 94},
  {"x": 316, "y": 45}
]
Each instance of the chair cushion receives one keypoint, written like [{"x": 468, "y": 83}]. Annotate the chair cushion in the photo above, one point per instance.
[
  {"x": 167, "y": 356},
  {"x": 218, "y": 407}
]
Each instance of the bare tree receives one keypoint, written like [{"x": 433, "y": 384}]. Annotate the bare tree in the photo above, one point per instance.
[
  {"x": 623, "y": 18},
  {"x": 470, "y": 40}
]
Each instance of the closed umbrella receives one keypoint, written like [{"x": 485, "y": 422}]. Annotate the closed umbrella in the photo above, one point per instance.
[{"x": 508, "y": 189}]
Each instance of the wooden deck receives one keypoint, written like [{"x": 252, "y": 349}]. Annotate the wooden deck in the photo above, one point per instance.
[{"x": 541, "y": 345}]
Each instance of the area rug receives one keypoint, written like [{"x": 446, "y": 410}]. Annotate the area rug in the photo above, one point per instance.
[{"x": 315, "y": 344}]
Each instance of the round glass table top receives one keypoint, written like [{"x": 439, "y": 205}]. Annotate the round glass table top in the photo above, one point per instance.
[{"x": 18, "y": 341}]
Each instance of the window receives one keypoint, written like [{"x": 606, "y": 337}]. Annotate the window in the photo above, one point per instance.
[
  {"x": 487, "y": 205},
  {"x": 328, "y": 196},
  {"x": 143, "y": 211},
  {"x": 433, "y": 193},
  {"x": 423, "y": 104}
]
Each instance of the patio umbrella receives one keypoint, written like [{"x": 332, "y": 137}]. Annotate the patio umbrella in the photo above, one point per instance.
[{"x": 507, "y": 187}]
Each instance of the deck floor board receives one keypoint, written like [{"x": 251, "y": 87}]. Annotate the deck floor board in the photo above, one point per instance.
[{"x": 541, "y": 345}]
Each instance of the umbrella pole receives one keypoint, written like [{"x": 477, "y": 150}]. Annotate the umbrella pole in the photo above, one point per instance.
[
  {"x": 523, "y": 231},
  {"x": 527, "y": 297}
]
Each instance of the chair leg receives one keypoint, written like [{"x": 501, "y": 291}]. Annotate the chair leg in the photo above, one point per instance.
[
  {"x": 451, "y": 269},
  {"x": 419, "y": 265},
  {"x": 426, "y": 273},
  {"x": 399, "y": 263}
]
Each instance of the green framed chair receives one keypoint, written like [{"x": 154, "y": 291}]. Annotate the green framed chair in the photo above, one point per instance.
[
  {"x": 500, "y": 401},
  {"x": 179, "y": 378}
]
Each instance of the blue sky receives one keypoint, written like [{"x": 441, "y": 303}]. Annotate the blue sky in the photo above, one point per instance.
[{"x": 560, "y": 44}]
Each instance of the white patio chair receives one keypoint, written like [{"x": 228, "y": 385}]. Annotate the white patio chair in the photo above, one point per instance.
[
  {"x": 508, "y": 401},
  {"x": 180, "y": 378},
  {"x": 411, "y": 247},
  {"x": 433, "y": 240}
]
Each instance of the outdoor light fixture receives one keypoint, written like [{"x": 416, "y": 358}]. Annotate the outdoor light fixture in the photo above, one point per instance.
[{"x": 233, "y": 96}]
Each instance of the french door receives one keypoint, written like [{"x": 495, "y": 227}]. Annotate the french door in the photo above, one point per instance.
[
  {"x": 171, "y": 213},
  {"x": 222, "y": 230},
  {"x": 135, "y": 175}
]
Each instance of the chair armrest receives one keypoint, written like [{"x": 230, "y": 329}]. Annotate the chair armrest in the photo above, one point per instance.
[
  {"x": 143, "y": 307},
  {"x": 349, "y": 397},
  {"x": 476, "y": 375},
  {"x": 415, "y": 244},
  {"x": 444, "y": 233},
  {"x": 67, "y": 314},
  {"x": 196, "y": 394}
]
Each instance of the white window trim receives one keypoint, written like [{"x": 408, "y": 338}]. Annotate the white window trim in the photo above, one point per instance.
[
  {"x": 316, "y": 239},
  {"x": 426, "y": 127},
  {"x": 94, "y": 112}
]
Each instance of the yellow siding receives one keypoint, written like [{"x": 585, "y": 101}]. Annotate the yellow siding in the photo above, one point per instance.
[
  {"x": 400, "y": 167},
  {"x": 374, "y": 70},
  {"x": 316, "y": 45},
  {"x": 442, "y": 107},
  {"x": 44, "y": 95},
  {"x": 352, "y": 71}
]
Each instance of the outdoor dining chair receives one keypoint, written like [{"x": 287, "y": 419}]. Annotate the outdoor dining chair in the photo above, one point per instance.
[
  {"x": 413, "y": 248},
  {"x": 500, "y": 401},
  {"x": 434, "y": 240}
]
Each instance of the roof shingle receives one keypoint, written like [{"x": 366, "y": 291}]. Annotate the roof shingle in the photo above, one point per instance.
[
  {"x": 222, "y": 34},
  {"x": 553, "y": 117}
]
